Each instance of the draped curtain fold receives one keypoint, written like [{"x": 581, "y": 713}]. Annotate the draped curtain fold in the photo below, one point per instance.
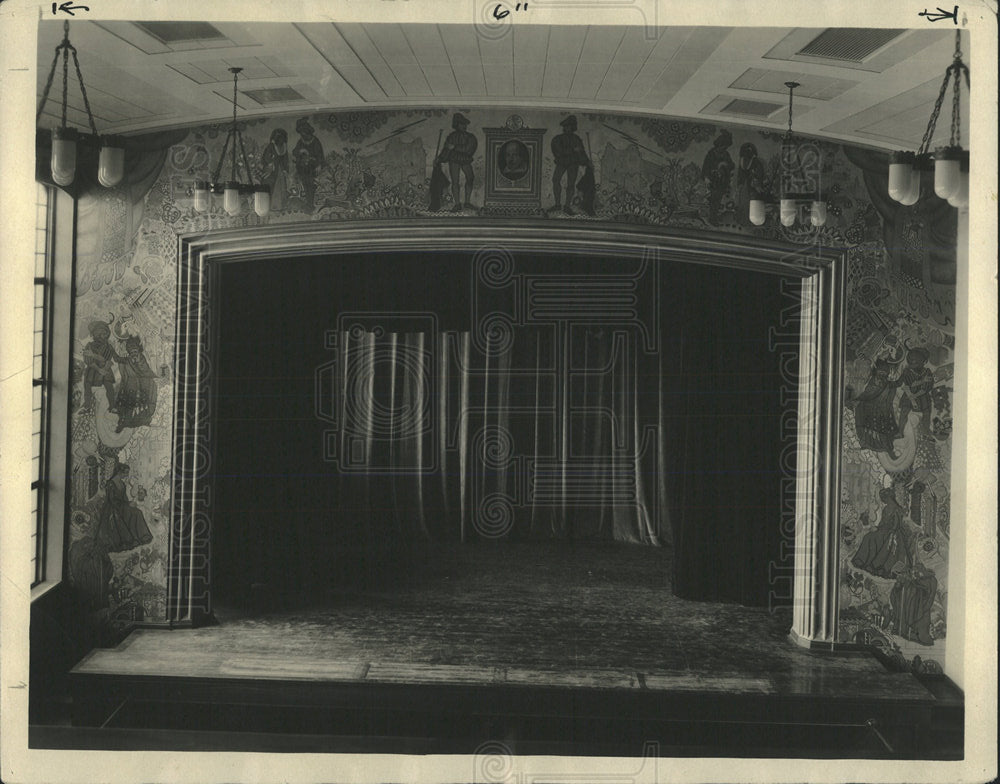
[{"x": 550, "y": 436}]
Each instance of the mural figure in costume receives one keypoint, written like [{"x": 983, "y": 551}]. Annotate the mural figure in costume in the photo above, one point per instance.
[
  {"x": 99, "y": 371},
  {"x": 912, "y": 598},
  {"x": 886, "y": 551},
  {"x": 274, "y": 163},
  {"x": 874, "y": 416},
  {"x": 121, "y": 526},
  {"x": 91, "y": 569},
  {"x": 917, "y": 381},
  {"x": 717, "y": 171},
  {"x": 136, "y": 400},
  {"x": 569, "y": 155},
  {"x": 308, "y": 157},
  {"x": 750, "y": 182},
  {"x": 459, "y": 148}
]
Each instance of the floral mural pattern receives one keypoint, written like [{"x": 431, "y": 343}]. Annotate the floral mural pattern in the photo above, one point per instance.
[{"x": 900, "y": 342}]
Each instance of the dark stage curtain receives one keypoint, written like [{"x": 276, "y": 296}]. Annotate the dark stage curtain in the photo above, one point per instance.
[
  {"x": 727, "y": 393},
  {"x": 547, "y": 431}
]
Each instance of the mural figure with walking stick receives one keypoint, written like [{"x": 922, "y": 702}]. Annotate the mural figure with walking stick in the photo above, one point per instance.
[
  {"x": 459, "y": 148},
  {"x": 587, "y": 187},
  {"x": 439, "y": 181},
  {"x": 569, "y": 155}
]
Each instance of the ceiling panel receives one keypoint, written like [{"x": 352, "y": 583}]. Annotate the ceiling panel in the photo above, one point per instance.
[
  {"x": 328, "y": 42},
  {"x": 660, "y": 55},
  {"x": 910, "y": 42},
  {"x": 138, "y": 82},
  {"x": 617, "y": 80},
  {"x": 531, "y": 43},
  {"x": 822, "y": 88},
  {"x": 411, "y": 79},
  {"x": 558, "y": 79},
  {"x": 426, "y": 44},
  {"x": 637, "y": 44},
  {"x": 689, "y": 57},
  {"x": 391, "y": 44},
  {"x": 363, "y": 82},
  {"x": 528, "y": 79},
  {"x": 441, "y": 79},
  {"x": 461, "y": 43},
  {"x": 499, "y": 79}
]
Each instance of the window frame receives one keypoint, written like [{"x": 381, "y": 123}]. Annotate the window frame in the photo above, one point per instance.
[{"x": 50, "y": 480}]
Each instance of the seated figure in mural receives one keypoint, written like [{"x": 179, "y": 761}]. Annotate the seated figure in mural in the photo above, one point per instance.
[
  {"x": 121, "y": 526},
  {"x": 912, "y": 598},
  {"x": 137, "y": 392},
  {"x": 874, "y": 415},
  {"x": 886, "y": 551},
  {"x": 917, "y": 381},
  {"x": 98, "y": 368}
]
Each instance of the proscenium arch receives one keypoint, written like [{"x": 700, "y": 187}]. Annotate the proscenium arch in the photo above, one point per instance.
[{"x": 819, "y": 403}]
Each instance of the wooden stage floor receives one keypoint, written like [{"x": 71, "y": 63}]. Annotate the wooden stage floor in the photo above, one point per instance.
[{"x": 516, "y": 640}]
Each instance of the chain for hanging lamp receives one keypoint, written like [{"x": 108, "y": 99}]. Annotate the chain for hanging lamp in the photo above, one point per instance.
[
  {"x": 111, "y": 163},
  {"x": 232, "y": 190},
  {"x": 951, "y": 162}
]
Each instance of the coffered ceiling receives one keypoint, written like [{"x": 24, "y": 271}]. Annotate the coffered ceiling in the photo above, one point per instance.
[{"x": 872, "y": 87}]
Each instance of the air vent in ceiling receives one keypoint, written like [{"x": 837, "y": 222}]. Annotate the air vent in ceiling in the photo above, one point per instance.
[
  {"x": 746, "y": 108},
  {"x": 848, "y": 43},
  {"x": 272, "y": 95},
  {"x": 178, "y": 32}
]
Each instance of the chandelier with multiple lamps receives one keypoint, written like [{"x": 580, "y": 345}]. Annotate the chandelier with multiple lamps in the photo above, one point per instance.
[
  {"x": 790, "y": 199},
  {"x": 233, "y": 190},
  {"x": 111, "y": 162},
  {"x": 950, "y": 163}
]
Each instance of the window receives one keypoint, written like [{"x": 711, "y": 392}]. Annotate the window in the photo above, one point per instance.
[
  {"x": 41, "y": 380},
  {"x": 55, "y": 220}
]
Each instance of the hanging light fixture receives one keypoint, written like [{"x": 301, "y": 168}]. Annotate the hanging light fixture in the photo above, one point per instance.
[
  {"x": 111, "y": 163},
  {"x": 950, "y": 163},
  {"x": 790, "y": 199},
  {"x": 233, "y": 190}
]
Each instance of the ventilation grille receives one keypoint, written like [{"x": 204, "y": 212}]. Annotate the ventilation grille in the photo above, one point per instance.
[
  {"x": 851, "y": 44},
  {"x": 177, "y": 32},
  {"x": 747, "y": 108},
  {"x": 270, "y": 95}
]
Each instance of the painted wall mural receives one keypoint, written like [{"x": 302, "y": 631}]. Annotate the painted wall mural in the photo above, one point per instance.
[{"x": 422, "y": 164}]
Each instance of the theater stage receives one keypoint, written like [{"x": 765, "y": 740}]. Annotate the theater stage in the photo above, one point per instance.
[{"x": 543, "y": 647}]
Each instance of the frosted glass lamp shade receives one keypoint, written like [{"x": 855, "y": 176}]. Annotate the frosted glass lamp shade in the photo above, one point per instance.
[
  {"x": 262, "y": 200},
  {"x": 787, "y": 210},
  {"x": 231, "y": 198},
  {"x": 111, "y": 163},
  {"x": 913, "y": 194},
  {"x": 63, "y": 161},
  {"x": 757, "y": 212},
  {"x": 900, "y": 174},
  {"x": 817, "y": 213},
  {"x": 947, "y": 162},
  {"x": 960, "y": 198},
  {"x": 201, "y": 195}
]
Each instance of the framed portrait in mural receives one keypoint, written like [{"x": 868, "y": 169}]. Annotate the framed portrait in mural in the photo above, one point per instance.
[{"x": 513, "y": 168}]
